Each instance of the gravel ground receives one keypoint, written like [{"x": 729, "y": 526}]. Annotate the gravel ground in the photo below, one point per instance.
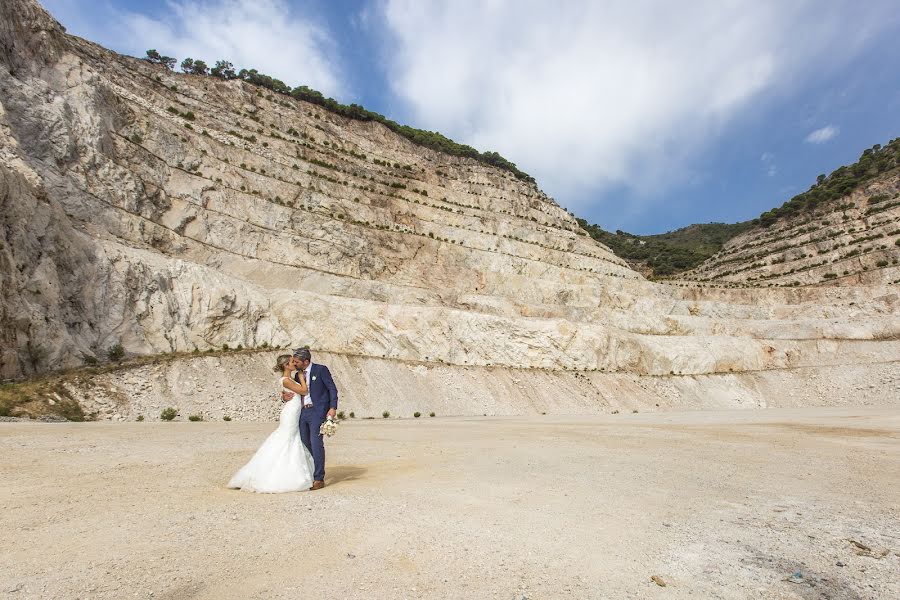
[{"x": 788, "y": 503}]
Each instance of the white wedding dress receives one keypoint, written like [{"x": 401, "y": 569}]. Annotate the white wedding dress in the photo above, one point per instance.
[{"x": 282, "y": 463}]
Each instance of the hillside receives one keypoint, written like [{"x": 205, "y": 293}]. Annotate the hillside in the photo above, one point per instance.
[
  {"x": 841, "y": 183},
  {"x": 675, "y": 252},
  {"x": 848, "y": 239},
  {"x": 845, "y": 230},
  {"x": 177, "y": 214},
  {"x": 668, "y": 253}
]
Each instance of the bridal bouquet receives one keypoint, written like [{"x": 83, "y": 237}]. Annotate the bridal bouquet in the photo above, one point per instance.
[{"x": 328, "y": 428}]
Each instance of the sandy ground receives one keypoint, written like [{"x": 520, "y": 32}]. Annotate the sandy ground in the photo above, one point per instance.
[{"x": 715, "y": 504}]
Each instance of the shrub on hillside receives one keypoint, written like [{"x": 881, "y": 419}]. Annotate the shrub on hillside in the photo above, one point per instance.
[{"x": 115, "y": 353}]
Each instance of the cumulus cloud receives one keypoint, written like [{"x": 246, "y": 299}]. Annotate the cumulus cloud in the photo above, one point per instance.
[
  {"x": 263, "y": 34},
  {"x": 588, "y": 95},
  {"x": 820, "y": 136}
]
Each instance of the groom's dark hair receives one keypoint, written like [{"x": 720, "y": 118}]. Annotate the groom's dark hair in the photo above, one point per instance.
[{"x": 303, "y": 353}]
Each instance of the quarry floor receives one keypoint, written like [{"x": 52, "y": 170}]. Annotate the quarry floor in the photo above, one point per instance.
[{"x": 779, "y": 503}]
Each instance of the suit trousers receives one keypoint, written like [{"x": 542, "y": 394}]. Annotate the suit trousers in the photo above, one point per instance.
[{"x": 310, "y": 422}]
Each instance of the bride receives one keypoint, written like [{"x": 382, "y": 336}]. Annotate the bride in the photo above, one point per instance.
[{"x": 282, "y": 463}]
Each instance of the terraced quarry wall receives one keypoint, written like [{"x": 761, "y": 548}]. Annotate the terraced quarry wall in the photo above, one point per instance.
[
  {"x": 239, "y": 386},
  {"x": 852, "y": 241},
  {"x": 170, "y": 212}
]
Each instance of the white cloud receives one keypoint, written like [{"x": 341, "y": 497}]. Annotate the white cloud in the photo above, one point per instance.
[
  {"x": 768, "y": 161},
  {"x": 820, "y": 136},
  {"x": 590, "y": 95},
  {"x": 262, "y": 34}
]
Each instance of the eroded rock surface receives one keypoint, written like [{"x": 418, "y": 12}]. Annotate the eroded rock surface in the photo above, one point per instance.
[
  {"x": 854, "y": 240},
  {"x": 169, "y": 212}
]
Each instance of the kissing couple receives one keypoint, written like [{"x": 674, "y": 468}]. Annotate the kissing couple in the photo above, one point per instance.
[{"x": 293, "y": 456}]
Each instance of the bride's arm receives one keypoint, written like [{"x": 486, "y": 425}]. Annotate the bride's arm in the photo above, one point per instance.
[{"x": 294, "y": 386}]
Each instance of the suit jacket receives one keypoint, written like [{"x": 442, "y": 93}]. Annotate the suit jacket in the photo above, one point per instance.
[{"x": 322, "y": 391}]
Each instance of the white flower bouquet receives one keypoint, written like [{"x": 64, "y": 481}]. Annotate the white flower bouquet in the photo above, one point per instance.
[{"x": 328, "y": 428}]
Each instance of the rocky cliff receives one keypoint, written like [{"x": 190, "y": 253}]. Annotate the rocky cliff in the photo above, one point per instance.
[
  {"x": 169, "y": 212},
  {"x": 853, "y": 240}
]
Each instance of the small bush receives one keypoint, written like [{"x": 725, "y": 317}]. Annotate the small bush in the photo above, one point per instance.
[
  {"x": 341, "y": 415},
  {"x": 352, "y": 415},
  {"x": 417, "y": 414},
  {"x": 431, "y": 414},
  {"x": 115, "y": 353},
  {"x": 226, "y": 418},
  {"x": 385, "y": 414},
  {"x": 89, "y": 360},
  {"x": 168, "y": 414},
  {"x": 136, "y": 138},
  {"x": 225, "y": 347},
  {"x": 195, "y": 418},
  {"x": 140, "y": 418}
]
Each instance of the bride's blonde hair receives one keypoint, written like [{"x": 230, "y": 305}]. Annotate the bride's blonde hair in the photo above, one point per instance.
[{"x": 281, "y": 362}]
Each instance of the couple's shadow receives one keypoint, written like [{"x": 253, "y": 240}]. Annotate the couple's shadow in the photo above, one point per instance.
[{"x": 344, "y": 473}]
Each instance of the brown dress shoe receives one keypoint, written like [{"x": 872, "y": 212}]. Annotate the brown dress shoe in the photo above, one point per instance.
[{"x": 317, "y": 485}]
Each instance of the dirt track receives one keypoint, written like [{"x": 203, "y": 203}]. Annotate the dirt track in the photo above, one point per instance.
[{"x": 717, "y": 505}]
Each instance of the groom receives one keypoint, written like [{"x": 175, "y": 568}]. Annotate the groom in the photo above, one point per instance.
[{"x": 319, "y": 404}]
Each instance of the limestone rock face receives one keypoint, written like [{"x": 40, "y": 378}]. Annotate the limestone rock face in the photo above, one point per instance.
[
  {"x": 241, "y": 386},
  {"x": 854, "y": 240},
  {"x": 169, "y": 212}
]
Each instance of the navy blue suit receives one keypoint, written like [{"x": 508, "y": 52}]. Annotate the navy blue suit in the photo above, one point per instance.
[{"x": 324, "y": 396}]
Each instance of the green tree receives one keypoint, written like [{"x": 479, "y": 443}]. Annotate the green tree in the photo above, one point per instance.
[
  {"x": 200, "y": 68},
  {"x": 156, "y": 58},
  {"x": 223, "y": 70},
  {"x": 194, "y": 67}
]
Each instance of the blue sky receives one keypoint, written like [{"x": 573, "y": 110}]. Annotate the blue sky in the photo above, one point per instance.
[{"x": 645, "y": 115}]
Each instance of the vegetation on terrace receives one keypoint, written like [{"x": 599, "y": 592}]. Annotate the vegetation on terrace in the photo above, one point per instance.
[
  {"x": 872, "y": 163},
  {"x": 429, "y": 139},
  {"x": 672, "y": 252}
]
